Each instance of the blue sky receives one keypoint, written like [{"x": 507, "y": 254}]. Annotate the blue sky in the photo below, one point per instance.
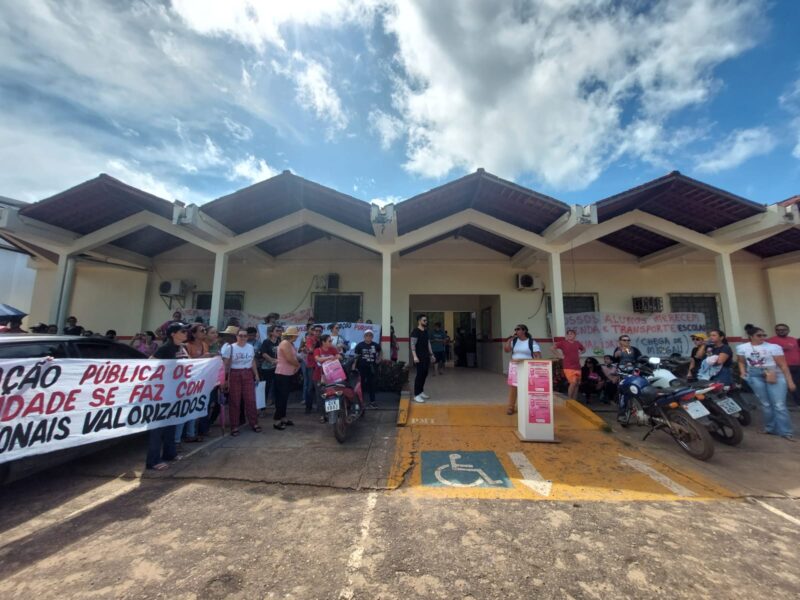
[{"x": 579, "y": 99}]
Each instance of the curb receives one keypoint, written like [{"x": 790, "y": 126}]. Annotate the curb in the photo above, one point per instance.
[
  {"x": 403, "y": 410},
  {"x": 587, "y": 414}
]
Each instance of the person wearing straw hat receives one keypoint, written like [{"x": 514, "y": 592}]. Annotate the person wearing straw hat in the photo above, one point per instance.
[{"x": 285, "y": 369}]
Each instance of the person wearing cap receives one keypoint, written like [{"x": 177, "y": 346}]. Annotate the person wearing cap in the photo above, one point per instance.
[
  {"x": 241, "y": 376},
  {"x": 285, "y": 369},
  {"x": 697, "y": 354},
  {"x": 161, "y": 442},
  {"x": 368, "y": 355}
]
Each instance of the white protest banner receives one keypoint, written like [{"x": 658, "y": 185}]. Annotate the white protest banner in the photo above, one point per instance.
[
  {"x": 658, "y": 334},
  {"x": 48, "y": 405},
  {"x": 352, "y": 332}
]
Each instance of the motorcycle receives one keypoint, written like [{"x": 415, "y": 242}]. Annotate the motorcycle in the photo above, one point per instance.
[
  {"x": 724, "y": 399},
  {"x": 674, "y": 411},
  {"x": 344, "y": 403}
]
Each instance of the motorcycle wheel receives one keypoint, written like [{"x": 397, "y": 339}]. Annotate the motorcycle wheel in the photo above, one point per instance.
[
  {"x": 340, "y": 427},
  {"x": 690, "y": 435},
  {"x": 745, "y": 417},
  {"x": 625, "y": 419},
  {"x": 727, "y": 430}
]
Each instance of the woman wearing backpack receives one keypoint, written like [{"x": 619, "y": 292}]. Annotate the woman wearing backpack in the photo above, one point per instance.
[{"x": 522, "y": 347}]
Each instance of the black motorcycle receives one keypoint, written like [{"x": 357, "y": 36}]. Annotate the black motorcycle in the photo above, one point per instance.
[{"x": 674, "y": 411}]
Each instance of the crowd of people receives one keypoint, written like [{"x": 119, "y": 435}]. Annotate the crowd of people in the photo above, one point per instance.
[
  {"x": 769, "y": 365},
  {"x": 275, "y": 361}
]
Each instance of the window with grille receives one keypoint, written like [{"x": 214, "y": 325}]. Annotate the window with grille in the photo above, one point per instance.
[
  {"x": 708, "y": 304},
  {"x": 573, "y": 303},
  {"x": 233, "y": 300},
  {"x": 337, "y": 307}
]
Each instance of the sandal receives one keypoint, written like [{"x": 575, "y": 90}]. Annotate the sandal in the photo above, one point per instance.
[
  {"x": 162, "y": 466},
  {"x": 234, "y": 432},
  {"x": 279, "y": 426},
  {"x": 257, "y": 428}
]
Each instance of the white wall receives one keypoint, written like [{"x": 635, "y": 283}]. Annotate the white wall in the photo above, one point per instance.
[{"x": 784, "y": 283}]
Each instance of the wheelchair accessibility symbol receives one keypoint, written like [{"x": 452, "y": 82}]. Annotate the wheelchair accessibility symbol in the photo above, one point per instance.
[{"x": 463, "y": 470}]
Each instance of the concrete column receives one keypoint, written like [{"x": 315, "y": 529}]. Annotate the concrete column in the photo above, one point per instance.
[
  {"x": 557, "y": 323},
  {"x": 386, "y": 299},
  {"x": 727, "y": 289},
  {"x": 62, "y": 291},
  {"x": 218, "y": 289}
]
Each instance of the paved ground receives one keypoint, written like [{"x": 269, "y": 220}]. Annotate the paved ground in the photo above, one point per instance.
[
  {"x": 294, "y": 514},
  {"x": 761, "y": 466}
]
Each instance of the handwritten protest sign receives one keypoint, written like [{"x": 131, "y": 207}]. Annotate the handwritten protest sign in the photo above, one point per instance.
[
  {"x": 48, "y": 405},
  {"x": 658, "y": 334}
]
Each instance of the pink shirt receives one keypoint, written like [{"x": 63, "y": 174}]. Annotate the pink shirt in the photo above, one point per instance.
[
  {"x": 790, "y": 349},
  {"x": 284, "y": 367}
]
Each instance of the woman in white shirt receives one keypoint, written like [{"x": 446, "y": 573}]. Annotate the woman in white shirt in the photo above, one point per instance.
[
  {"x": 522, "y": 347},
  {"x": 764, "y": 368},
  {"x": 241, "y": 376}
]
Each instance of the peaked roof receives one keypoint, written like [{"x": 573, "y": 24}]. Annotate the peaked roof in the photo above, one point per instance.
[
  {"x": 94, "y": 204},
  {"x": 283, "y": 195},
  {"x": 483, "y": 192}
]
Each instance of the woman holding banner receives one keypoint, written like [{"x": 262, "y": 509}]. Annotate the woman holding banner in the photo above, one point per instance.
[{"x": 161, "y": 442}]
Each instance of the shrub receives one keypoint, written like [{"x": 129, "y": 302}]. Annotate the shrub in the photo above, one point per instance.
[{"x": 391, "y": 376}]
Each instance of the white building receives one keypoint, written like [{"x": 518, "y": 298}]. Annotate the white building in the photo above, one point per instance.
[{"x": 102, "y": 250}]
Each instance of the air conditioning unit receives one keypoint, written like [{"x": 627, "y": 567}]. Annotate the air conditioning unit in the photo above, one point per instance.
[
  {"x": 173, "y": 287},
  {"x": 648, "y": 304},
  {"x": 528, "y": 281},
  {"x": 332, "y": 281}
]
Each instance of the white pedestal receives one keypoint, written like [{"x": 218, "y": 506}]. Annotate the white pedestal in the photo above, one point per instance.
[{"x": 535, "y": 420}]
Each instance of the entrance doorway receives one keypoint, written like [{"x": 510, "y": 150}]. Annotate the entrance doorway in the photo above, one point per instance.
[
  {"x": 465, "y": 342},
  {"x": 470, "y": 321}
]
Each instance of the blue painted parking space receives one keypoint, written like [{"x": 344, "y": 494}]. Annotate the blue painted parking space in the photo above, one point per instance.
[{"x": 463, "y": 469}]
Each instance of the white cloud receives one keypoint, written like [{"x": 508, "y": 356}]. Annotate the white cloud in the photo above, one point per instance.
[
  {"x": 241, "y": 132},
  {"x": 314, "y": 92},
  {"x": 30, "y": 150},
  {"x": 384, "y": 200},
  {"x": 790, "y": 101},
  {"x": 252, "y": 170},
  {"x": 132, "y": 174},
  {"x": 555, "y": 88},
  {"x": 259, "y": 24},
  {"x": 737, "y": 148},
  {"x": 388, "y": 127}
]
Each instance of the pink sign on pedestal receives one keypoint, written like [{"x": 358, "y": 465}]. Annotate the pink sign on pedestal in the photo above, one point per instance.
[{"x": 535, "y": 401}]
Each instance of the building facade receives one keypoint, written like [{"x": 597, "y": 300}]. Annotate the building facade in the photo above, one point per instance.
[{"x": 105, "y": 251}]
